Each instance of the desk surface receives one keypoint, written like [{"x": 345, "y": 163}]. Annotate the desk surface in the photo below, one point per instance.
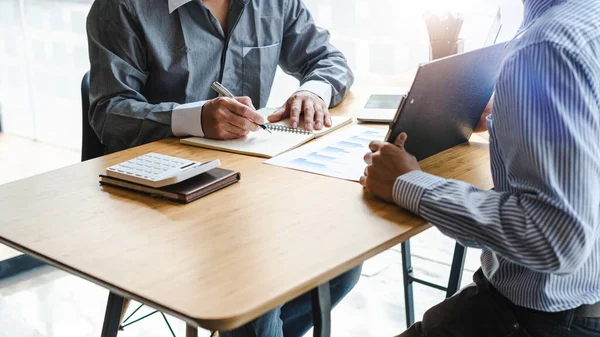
[{"x": 227, "y": 258}]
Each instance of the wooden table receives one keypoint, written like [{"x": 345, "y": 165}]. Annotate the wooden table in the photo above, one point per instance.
[{"x": 225, "y": 259}]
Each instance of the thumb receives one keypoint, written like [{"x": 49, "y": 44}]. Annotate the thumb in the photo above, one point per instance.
[
  {"x": 400, "y": 140},
  {"x": 277, "y": 115}
]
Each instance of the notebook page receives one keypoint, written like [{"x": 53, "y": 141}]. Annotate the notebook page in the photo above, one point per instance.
[
  {"x": 259, "y": 143},
  {"x": 263, "y": 144},
  {"x": 336, "y": 122}
]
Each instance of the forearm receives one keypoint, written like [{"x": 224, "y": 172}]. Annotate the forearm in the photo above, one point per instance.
[
  {"x": 122, "y": 123},
  {"x": 526, "y": 228}
]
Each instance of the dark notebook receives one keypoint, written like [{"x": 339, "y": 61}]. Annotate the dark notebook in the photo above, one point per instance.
[
  {"x": 185, "y": 191},
  {"x": 446, "y": 101}
]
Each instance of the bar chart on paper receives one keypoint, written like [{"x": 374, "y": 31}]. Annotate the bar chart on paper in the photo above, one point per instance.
[{"x": 339, "y": 155}]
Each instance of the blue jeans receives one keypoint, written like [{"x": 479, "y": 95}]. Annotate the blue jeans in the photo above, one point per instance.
[{"x": 294, "y": 318}]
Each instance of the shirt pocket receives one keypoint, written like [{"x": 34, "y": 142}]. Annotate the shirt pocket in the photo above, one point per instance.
[{"x": 259, "y": 66}]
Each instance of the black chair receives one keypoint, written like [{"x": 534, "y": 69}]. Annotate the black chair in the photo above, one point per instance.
[{"x": 91, "y": 147}]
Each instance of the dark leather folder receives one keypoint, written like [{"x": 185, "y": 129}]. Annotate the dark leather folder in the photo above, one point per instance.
[
  {"x": 185, "y": 191},
  {"x": 446, "y": 101}
]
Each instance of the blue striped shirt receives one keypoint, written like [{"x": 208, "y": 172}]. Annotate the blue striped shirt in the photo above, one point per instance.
[{"x": 540, "y": 228}]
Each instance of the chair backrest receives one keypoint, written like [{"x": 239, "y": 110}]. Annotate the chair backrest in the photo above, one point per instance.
[{"x": 91, "y": 147}]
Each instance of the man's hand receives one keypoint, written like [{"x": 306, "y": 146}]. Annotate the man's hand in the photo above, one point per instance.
[
  {"x": 316, "y": 112},
  {"x": 226, "y": 118},
  {"x": 386, "y": 163},
  {"x": 482, "y": 124}
]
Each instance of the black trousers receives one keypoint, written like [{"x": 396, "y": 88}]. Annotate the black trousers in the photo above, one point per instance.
[{"x": 480, "y": 310}]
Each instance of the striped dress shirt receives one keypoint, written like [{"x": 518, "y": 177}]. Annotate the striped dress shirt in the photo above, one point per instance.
[{"x": 540, "y": 228}]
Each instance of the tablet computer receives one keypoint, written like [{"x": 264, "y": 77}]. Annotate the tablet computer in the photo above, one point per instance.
[{"x": 380, "y": 108}]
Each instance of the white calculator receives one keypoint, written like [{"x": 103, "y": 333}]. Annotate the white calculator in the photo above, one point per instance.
[{"x": 158, "y": 170}]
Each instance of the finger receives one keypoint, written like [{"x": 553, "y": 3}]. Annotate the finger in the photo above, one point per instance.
[
  {"x": 295, "y": 110},
  {"x": 225, "y": 134},
  {"x": 309, "y": 115},
  {"x": 278, "y": 115},
  {"x": 319, "y": 116},
  {"x": 327, "y": 117},
  {"x": 245, "y": 100},
  {"x": 363, "y": 181},
  {"x": 375, "y": 145},
  {"x": 400, "y": 140},
  {"x": 235, "y": 129},
  {"x": 375, "y": 159},
  {"x": 244, "y": 111},
  {"x": 368, "y": 158},
  {"x": 241, "y": 123}
]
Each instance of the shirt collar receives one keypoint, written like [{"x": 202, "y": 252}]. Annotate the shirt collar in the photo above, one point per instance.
[
  {"x": 174, "y": 4},
  {"x": 534, "y": 9}
]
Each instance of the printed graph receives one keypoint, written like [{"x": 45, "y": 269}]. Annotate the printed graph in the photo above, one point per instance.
[{"x": 340, "y": 155}]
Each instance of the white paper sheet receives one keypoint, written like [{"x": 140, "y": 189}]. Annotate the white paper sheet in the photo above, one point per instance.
[{"x": 339, "y": 155}]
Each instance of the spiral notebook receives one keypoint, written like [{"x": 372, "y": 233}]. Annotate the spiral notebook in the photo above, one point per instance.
[{"x": 268, "y": 145}]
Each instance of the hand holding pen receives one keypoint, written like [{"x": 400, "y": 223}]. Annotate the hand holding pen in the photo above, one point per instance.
[
  {"x": 230, "y": 118},
  {"x": 218, "y": 87}
]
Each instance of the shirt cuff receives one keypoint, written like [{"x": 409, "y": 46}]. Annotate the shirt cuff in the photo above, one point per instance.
[
  {"x": 186, "y": 120},
  {"x": 409, "y": 189},
  {"x": 321, "y": 89}
]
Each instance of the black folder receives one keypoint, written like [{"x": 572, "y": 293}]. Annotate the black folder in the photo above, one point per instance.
[{"x": 446, "y": 100}]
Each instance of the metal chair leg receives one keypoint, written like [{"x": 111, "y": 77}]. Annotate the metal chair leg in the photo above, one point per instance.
[
  {"x": 321, "y": 307},
  {"x": 408, "y": 283},
  {"x": 456, "y": 270},
  {"x": 114, "y": 306}
]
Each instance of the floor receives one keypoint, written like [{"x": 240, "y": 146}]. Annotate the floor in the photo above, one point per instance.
[{"x": 47, "y": 302}]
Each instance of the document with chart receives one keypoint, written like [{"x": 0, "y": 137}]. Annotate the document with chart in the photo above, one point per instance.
[{"x": 339, "y": 155}]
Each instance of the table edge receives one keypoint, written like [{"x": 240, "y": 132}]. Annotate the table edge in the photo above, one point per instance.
[{"x": 234, "y": 321}]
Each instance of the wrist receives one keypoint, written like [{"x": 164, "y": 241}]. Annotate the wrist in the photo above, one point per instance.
[
  {"x": 321, "y": 89},
  {"x": 409, "y": 188},
  {"x": 186, "y": 119}
]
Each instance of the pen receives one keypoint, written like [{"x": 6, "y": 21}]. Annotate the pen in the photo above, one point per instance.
[{"x": 218, "y": 87}]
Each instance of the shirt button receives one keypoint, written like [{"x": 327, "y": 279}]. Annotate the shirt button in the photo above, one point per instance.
[{"x": 516, "y": 326}]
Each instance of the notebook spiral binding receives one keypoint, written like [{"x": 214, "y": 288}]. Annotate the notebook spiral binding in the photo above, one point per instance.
[{"x": 283, "y": 128}]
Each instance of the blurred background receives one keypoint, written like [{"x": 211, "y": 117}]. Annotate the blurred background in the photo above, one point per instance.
[{"x": 43, "y": 52}]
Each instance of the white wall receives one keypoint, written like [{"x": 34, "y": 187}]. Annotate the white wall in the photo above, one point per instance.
[{"x": 43, "y": 52}]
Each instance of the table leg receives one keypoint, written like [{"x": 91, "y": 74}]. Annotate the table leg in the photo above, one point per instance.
[
  {"x": 126, "y": 303},
  {"x": 456, "y": 270},
  {"x": 191, "y": 331},
  {"x": 321, "y": 306},
  {"x": 112, "y": 317},
  {"x": 408, "y": 283}
]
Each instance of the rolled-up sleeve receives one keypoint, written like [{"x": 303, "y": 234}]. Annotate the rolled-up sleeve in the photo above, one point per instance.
[
  {"x": 308, "y": 55},
  {"x": 120, "y": 115}
]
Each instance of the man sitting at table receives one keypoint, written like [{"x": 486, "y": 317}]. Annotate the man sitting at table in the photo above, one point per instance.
[
  {"x": 540, "y": 228},
  {"x": 152, "y": 66},
  {"x": 153, "y": 63}
]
